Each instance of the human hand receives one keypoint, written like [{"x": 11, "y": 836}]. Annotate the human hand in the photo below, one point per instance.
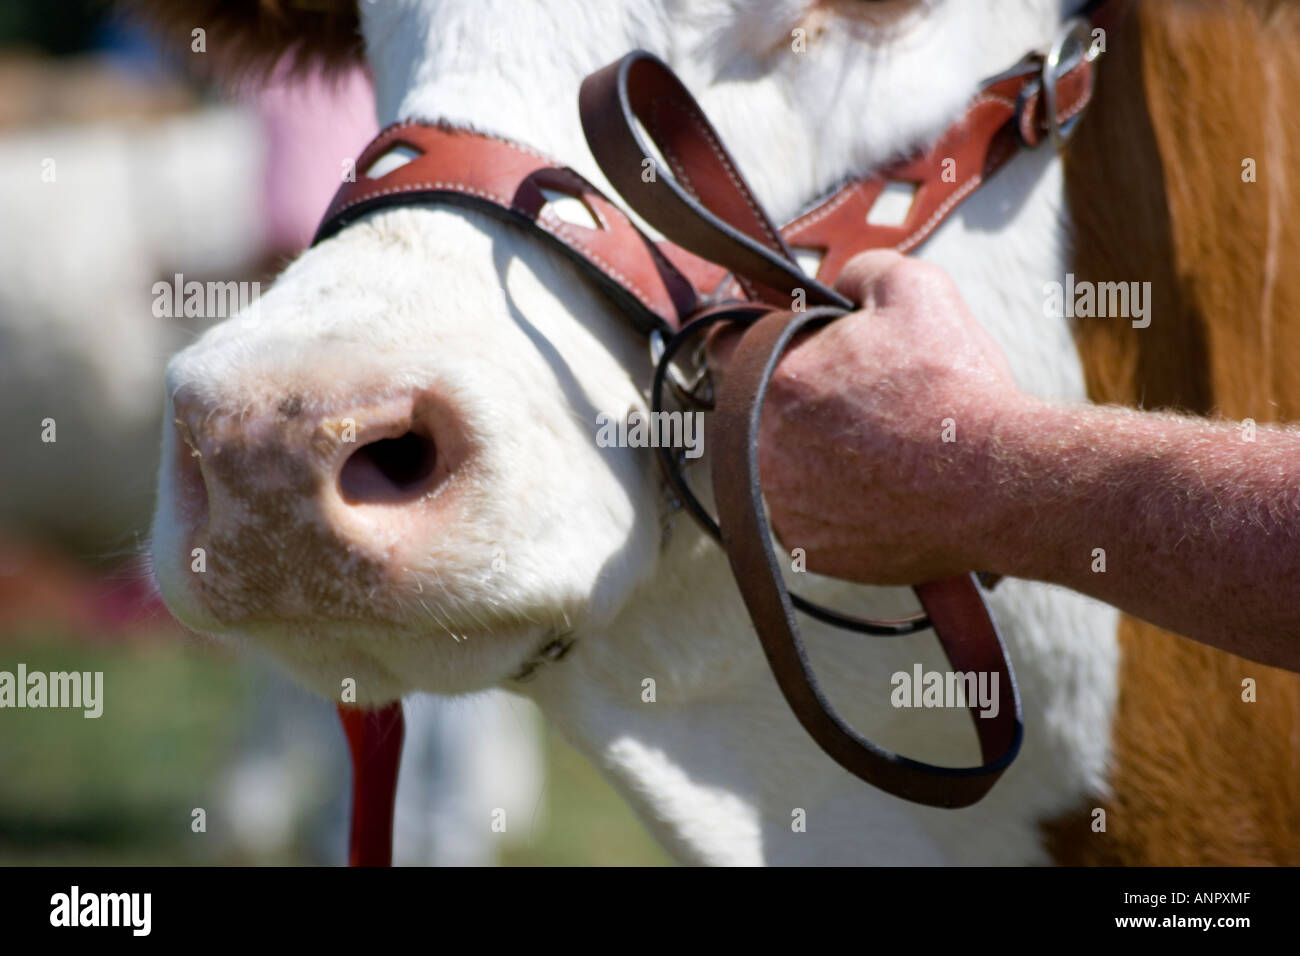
[{"x": 879, "y": 429}]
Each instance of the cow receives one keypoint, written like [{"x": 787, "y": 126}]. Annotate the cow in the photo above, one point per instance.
[{"x": 391, "y": 474}]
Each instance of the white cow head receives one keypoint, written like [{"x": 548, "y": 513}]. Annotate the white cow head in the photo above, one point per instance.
[{"x": 388, "y": 470}]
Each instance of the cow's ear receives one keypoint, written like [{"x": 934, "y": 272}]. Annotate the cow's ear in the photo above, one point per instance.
[{"x": 245, "y": 39}]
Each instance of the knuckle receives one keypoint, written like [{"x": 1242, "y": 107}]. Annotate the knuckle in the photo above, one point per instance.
[
  {"x": 913, "y": 282},
  {"x": 882, "y": 277},
  {"x": 865, "y": 270},
  {"x": 911, "y": 274}
]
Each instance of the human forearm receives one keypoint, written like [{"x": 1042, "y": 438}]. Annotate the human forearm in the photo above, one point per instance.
[
  {"x": 1190, "y": 525},
  {"x": 897, "y": 447}
]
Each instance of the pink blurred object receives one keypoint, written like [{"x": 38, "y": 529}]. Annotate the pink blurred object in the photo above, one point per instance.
[
  {"x": 315, "y": 126},
  {"x": 39, "y": 587}
]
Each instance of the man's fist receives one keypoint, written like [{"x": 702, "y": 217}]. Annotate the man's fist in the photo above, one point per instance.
[{"x": 878, "y": 429}]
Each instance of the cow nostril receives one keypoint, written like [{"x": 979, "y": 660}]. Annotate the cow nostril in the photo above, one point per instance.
[{"x": 392, "y": 469}]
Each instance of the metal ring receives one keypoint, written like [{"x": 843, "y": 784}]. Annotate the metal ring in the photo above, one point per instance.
[{"x": 1076, "y": 30}]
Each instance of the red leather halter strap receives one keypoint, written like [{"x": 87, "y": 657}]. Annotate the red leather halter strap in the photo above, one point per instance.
[
  {"x": 507, "y": 179},
  {"x": 375, "y": 746},
  {"x": 1006, "y": 116},
  {"x": 724, "y": 241},
  {"x": 662, "y": 284}
]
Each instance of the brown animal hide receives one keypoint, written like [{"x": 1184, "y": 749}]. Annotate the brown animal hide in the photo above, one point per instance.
[
  {"x": 1189, "y": 93},
  {"x": 247, "y": 38}
]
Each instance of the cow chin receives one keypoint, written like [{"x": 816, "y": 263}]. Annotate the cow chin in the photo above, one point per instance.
[{"x": 358, "y": 662}]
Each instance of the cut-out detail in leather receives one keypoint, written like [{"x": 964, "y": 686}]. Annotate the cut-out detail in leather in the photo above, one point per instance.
[
  {"x": 394, "y": 158},
  {"x": 893, "y": 205},
  {"x": 570, "y": 209}
]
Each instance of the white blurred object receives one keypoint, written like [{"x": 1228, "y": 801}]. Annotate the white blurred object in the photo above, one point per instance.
[
  {"x": 467, "y": 763},
  {"x": 257, "y": 805},
  {"x": 464, "y": 759},
  {"x": 129, "y": 204}
]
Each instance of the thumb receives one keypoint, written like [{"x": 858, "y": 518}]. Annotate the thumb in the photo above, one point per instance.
[{"x": 721, "y": 342}]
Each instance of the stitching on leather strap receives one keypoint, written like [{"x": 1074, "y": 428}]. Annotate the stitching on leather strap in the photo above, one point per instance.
[
  {"x": 430, "y": 186},
  {"x": 987, "y": 96},
  {"x": 559, "y": 232},
  {"x": 994, "y": 160},
  {"x": 938, "y": 215},
  {"x": 732, "y": 173},
  {"x": 1075, "y": 110},
  {"x": 814, "y": 216},
  {"x": 679, "y": 169},
  {"x": 559, "y": 229}
]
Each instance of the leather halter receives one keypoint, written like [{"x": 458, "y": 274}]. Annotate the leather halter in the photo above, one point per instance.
[{"x": 724, "y": 260}]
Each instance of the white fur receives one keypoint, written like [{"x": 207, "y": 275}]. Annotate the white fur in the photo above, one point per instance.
[{"x": 528, "y": 353}]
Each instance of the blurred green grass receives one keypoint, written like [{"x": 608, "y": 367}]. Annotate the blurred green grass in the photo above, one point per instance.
[{"x": 119, "y": 789}]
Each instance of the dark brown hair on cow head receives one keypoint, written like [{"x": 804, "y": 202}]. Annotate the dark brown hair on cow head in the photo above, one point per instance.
[{"x": 245, "y": 39}]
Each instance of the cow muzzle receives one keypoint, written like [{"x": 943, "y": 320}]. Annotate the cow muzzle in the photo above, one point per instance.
[{"x": 292, "y": 508}]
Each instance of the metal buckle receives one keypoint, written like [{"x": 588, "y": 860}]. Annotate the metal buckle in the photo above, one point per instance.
[
  {"x": 1077, "y": 30},
  {"x": 695, "y": 392}
]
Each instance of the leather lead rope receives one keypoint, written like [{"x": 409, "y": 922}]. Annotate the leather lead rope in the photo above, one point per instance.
[
  {"x": 664, "y": 288},
  {"x": 954, "y": 606},
  {"x": 707, "y": 208}
]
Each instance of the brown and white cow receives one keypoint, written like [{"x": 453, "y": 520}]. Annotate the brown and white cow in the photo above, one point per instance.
[{"x": 475, "y": 518}]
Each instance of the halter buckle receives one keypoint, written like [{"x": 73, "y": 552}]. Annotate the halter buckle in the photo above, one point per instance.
[{"x": 1077, "y": 31}]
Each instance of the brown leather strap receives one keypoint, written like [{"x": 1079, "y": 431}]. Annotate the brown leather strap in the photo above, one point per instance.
[
  {"x": 707, "y": 208},
  {"x": 745, "y": 314},
  {"x": 955, "y": 606},
  {"x": 1007, "y": 115},
  {"x": 508, "y": 179},
  {"x": 659, "y": 285},
  {"x": 705, "y": 205}
]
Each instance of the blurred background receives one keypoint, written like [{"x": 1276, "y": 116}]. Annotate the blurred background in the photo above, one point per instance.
[{"x": 118, "y": 172}]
